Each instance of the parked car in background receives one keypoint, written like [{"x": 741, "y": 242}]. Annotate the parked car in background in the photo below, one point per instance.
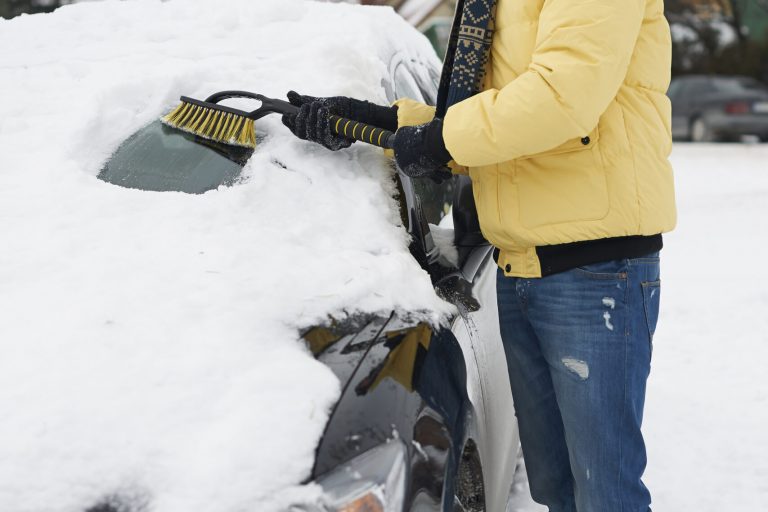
[
  {"x": 707, "y": 108},
  {"x": 425, "y": 420}
]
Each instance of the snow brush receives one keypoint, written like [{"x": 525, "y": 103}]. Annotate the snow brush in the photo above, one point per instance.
[{"x": 234, "y": 127}]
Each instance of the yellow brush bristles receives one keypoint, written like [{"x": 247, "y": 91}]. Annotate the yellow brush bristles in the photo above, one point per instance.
[{"x": 216, "y": 125}]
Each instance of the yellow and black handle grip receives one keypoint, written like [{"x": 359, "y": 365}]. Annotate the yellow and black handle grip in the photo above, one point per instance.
[
  {"x": 362, "y": 132},
  {"x": 342, "y": 126}
]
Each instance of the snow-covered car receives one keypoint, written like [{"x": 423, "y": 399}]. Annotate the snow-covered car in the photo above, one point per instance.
[
  {"x": 425, "y": 420},
  {"x": 227, "y": 329}
]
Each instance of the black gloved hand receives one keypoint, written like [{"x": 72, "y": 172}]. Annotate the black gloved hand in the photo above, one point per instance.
[
  {"x": 312, "y": 121},
  {"x": 357, "y": 110},
  {"x": 420, "y": 151}
]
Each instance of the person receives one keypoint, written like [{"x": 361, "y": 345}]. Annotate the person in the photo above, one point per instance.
[{"x": 558, "y": 112}]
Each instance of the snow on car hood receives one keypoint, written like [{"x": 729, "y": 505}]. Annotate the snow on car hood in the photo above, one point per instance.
[{"x": 148, "y": 345}]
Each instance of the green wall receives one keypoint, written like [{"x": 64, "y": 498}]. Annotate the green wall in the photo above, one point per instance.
[{"x": 754, "y": 15}]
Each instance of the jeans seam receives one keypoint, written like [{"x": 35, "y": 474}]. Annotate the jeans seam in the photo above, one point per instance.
[
  {"x": 631, "y": 272},
  {"x": 627, "y": 328}
]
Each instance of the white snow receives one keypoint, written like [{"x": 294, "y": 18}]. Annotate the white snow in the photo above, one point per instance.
[
  {"x": 707, "y": 408},
  {"x": 445, "y": 243},
  {"x": 706, "y": 413},
  {"x": 148, "y": 341}
]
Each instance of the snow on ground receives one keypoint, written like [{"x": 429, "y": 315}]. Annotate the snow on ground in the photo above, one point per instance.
[
  {"x": 706, "y": 420},
  {"x": 707, "y": 410},
  {"x": 148, "y": 343},
  {"x": 520, "y": 499}
]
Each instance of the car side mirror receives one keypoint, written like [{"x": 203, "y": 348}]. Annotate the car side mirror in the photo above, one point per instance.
[{"x": 458, "y": 291}]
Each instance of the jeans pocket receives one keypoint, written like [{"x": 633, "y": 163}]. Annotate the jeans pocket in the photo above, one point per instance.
[
  {"x": 613, "y": 270},
  {"x": 651, "y": 296}
]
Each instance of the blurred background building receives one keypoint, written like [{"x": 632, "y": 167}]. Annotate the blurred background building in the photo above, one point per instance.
[{"x": 432, "y": 17}]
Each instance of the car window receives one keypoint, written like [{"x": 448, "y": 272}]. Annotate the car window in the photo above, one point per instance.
[
  {"x": 406, "y": 85},
  {"x": 428, "y": 80},
  {"x": 162, "y": 159},
  {"x": 738, "y": 85},
  {"x": 698, "y": 87},
  {"x": 436, "y": 199}
]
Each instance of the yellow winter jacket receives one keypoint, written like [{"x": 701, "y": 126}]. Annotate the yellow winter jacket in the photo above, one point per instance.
[{"x": 570, "y": 138}]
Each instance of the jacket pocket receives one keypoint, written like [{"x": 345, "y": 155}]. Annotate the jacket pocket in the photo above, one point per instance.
[
  {"x": 484, "y": 189},
  {"x": 564, "y": 184},
  {"x": 578, "y": 144}
]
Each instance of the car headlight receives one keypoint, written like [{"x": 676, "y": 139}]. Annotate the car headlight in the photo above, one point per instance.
[{"x": 371, "y": 482}]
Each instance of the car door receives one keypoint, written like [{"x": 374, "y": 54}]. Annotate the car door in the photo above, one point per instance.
[
  {"x": 468, "y": 280},
  {"x": 442, "y": 215},
  {"x": 498, "y": 422},
  {"x": 471, "y": 286}
]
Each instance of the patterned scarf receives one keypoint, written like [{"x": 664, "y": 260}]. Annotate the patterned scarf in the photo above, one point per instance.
[{"x": 468, "y": 50}]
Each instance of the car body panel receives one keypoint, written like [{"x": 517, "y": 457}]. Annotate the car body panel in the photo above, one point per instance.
[
  {"x": 410, "y": 385},
  {"x": 498, "y": 437},
  {"x": 343, "y": 345},
  {"x": 437, "y": 396}
]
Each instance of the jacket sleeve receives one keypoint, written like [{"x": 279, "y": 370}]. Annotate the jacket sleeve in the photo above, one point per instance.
[
  {"x": 413, "y": 113},
  {"x": 580, "y": 60}
]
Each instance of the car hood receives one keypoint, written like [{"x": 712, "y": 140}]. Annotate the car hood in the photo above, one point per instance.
[{"x": 342, "y": 344}]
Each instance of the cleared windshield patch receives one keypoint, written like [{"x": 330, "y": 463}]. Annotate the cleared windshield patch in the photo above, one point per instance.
[{"x": 162, "y": 159}]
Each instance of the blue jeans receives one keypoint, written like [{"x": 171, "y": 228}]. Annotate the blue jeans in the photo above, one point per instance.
[{"x": 578, "y": 347}]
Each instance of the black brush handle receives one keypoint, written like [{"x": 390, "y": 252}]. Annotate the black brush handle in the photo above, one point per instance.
[
  {"x": 268, "y": 105},
  {"x": 347, "y": 127}
]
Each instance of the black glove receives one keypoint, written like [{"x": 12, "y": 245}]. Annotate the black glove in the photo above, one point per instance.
[
  {"x": 312, "y": 121},
  {"x": 420, "y": 151}
]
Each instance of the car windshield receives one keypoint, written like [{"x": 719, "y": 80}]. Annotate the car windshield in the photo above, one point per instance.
[
  {"x": 739, "y": 85},
  {"x": 161, "y": 158}
]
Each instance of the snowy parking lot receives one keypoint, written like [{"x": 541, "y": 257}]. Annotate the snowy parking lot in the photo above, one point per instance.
[{"x": 706, "y": 420}]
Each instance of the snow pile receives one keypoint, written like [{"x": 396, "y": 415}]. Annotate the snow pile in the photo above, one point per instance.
[{"x": 148, "y": 343}]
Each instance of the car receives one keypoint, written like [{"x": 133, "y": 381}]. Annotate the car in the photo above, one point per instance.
[
  {"x": 709, "y": 108},
  {"x": 425, "y": 421}
]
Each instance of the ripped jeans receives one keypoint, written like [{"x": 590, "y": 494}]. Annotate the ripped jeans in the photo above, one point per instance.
[{"x": 578, "y": 348}]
